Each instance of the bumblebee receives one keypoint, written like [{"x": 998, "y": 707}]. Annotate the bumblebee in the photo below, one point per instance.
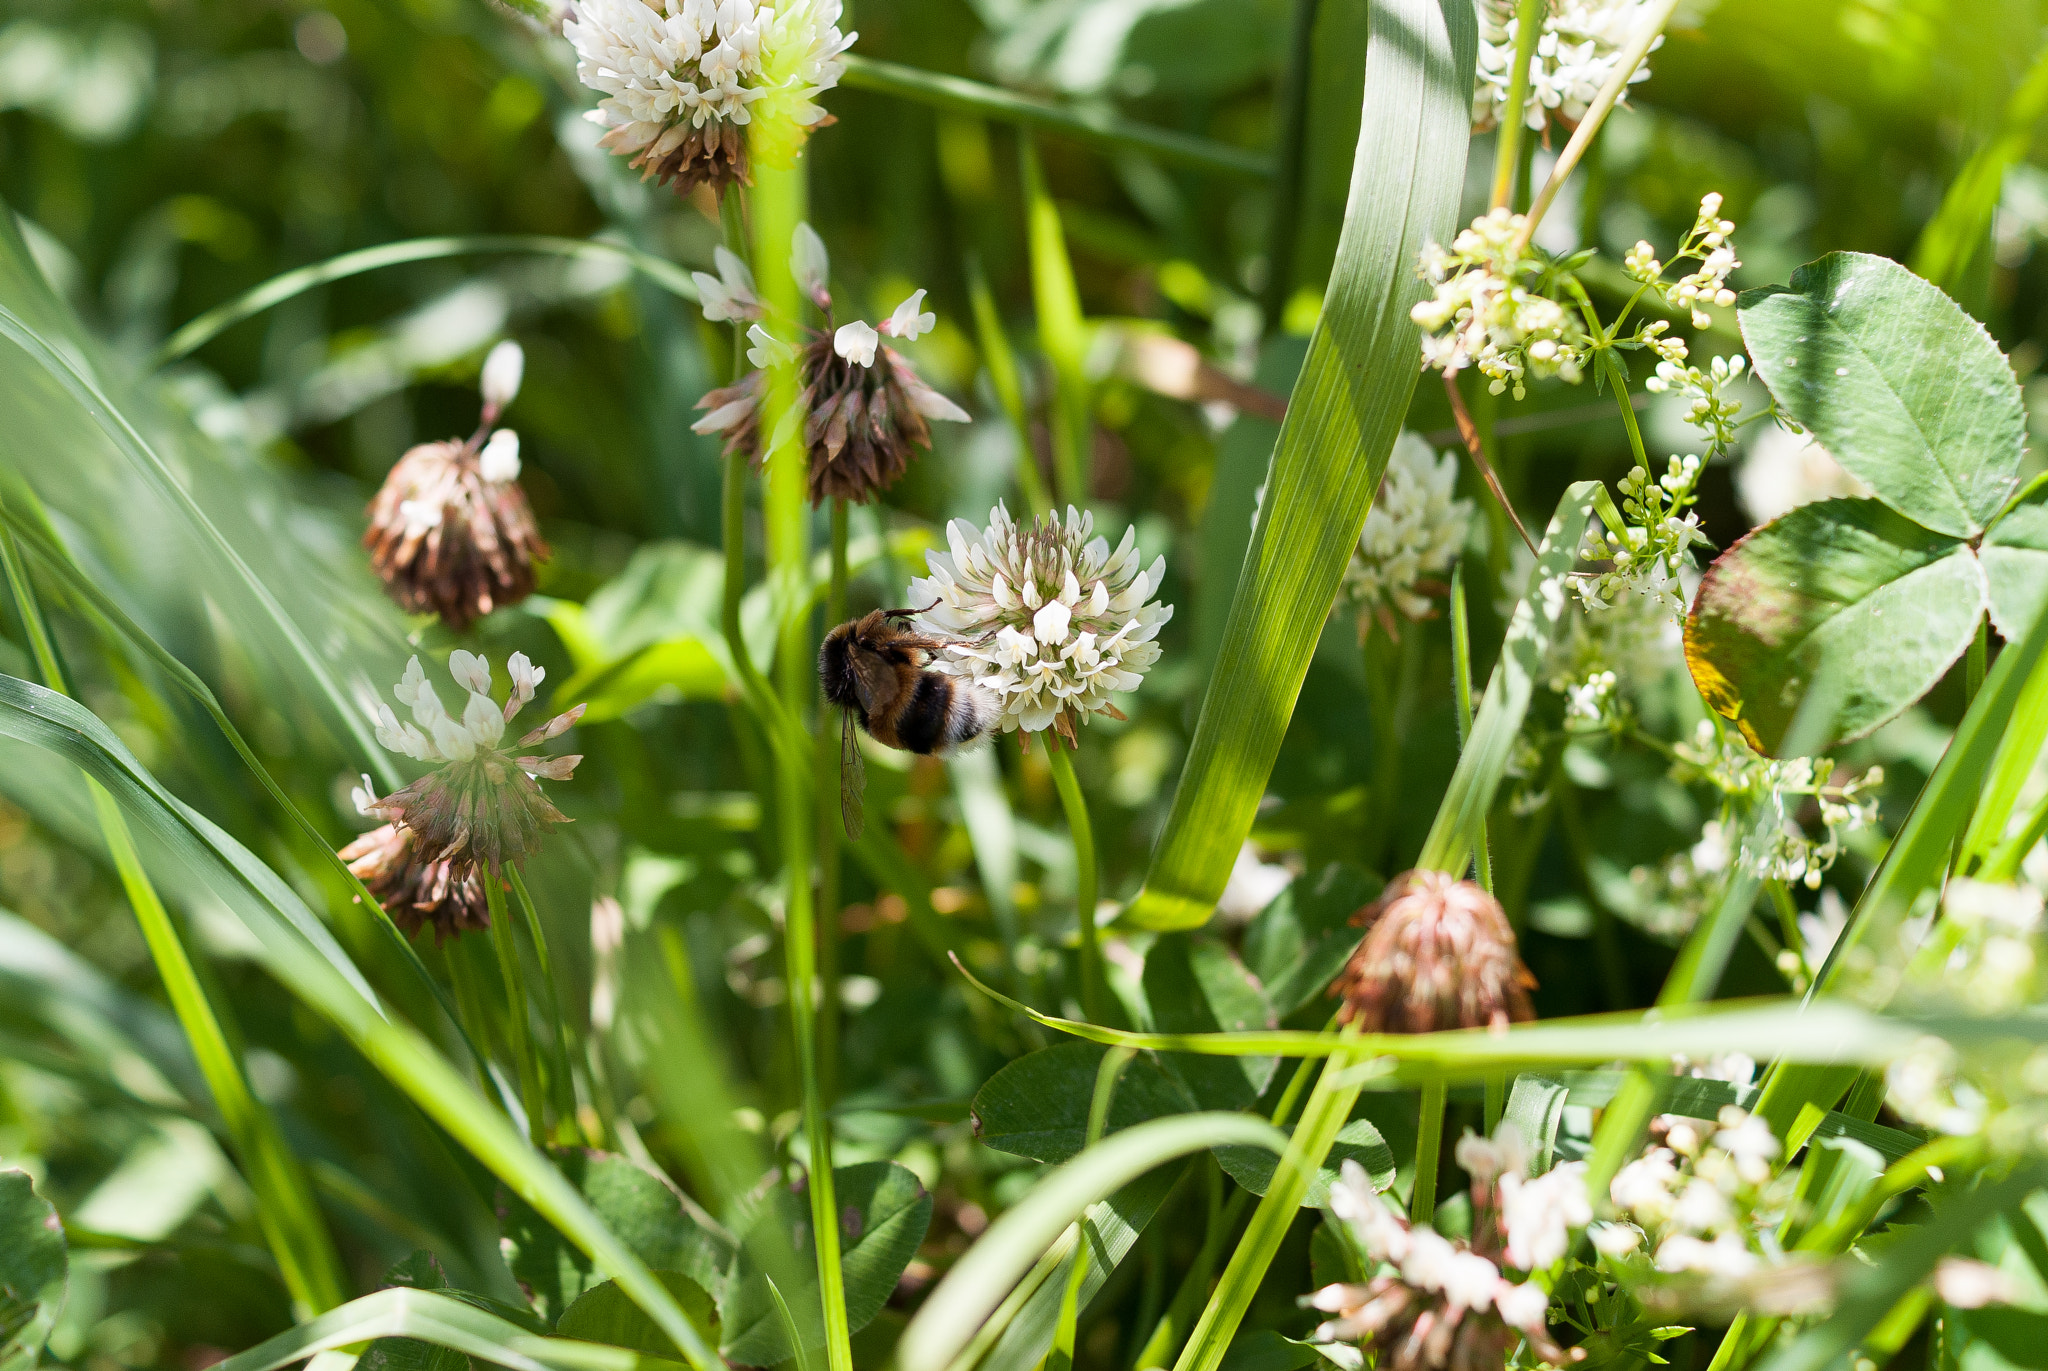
[{"x": 874, "y": 669}]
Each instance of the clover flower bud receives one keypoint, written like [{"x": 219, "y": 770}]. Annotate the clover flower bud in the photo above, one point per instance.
[
  {"x": 503, "y": 369},
  {"x": 1437, "y": 953}
]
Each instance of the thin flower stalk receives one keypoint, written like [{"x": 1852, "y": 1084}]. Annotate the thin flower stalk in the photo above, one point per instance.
[{"x": 1093, "y": 1003}]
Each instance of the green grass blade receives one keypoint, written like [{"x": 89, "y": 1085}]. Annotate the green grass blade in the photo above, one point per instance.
[
  {"x": 289, "y": 947},
  {"x": 1062, "y": 334},
  {"x": 38, "y": 539},
  {"x": 444, "y": 1321},
  {"x": 1542, "y": 613},
  {"x": 1960, "y": 230},
  {"x": 196, "y": 334},
  {"x": 1329, "y": 1105},
  {"x": 1099, "y": 129},
  {"x": 1823, "y": 1032},
  {"x": 1345, "y": 411},
  {"x": 291, "y": 1221},
  {"x": 1870, "y": 1292},
  {"x": 150, "y": 465},
  {"x": 978, "y": 1281},
  {"x": 1918, "y": 857}
]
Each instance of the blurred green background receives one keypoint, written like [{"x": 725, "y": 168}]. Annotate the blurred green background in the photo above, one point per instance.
[{"x": 162, "y": 156}]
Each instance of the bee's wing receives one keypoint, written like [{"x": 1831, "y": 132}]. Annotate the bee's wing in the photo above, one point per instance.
[
  {"x": 874, "y": 680},
  {"x": 853, "y": 777}
]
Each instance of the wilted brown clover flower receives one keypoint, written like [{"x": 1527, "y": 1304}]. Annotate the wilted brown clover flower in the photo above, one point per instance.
[
  {"x": 414, "y": 893},
  {"x": 865, "y": 407},
  {"x": 481, "y": 808},
  {"x": 450, "y": 531},
  {"x": 1437, "y": 953}
]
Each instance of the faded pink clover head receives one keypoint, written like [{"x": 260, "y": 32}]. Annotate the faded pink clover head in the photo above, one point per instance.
[{"x": 482, "y": 806}]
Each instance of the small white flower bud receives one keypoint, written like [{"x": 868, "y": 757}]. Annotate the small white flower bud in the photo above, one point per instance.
[
  {"x": 500, "y": 458},
  {"x": 503, "y": 369}
]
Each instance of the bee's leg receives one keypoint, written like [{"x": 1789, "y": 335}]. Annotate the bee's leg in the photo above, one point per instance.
[{"x": 910, "y": 613}]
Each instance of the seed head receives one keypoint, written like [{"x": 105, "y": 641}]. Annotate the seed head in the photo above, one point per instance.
[
  {"x": 450, "y": 532},
  {"x": 1437, "y": 953}
]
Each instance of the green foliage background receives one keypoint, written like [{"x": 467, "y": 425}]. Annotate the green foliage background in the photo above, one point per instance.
[{"x": 161, "y": 156}]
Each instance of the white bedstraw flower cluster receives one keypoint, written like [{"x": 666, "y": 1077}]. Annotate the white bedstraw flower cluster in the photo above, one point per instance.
[
  {"x": 1045, "y": 617},
  {"x": 1709, "y": 396},
  {"x": 1490, "y": 309},
  {"x": 1445, "y": 1304},
  {"x": 1699, "y": 1214},
  {"x": 680, "y": 78},
  {"x": 1575, "y": 55},
  {"x": 1648, "y": 554},
  {"x": 1719, "y": 757},
  {"x": 1412, "y": 535},
  {"x": 1706, "y": 243}
]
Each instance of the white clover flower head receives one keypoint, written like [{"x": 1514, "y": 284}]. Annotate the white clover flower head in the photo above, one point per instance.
[
  {"x": 481, "y": 808},
  {"x": 1576, "y": 54},
  {"x": 499, "y": 461},
  {"x": 1412, "y": 533},
  {"x": 1046, "y": 618},
  {"x": 811, "y": 265},
  {"x": 856, "y": 342},
  {"x": 910, "y": 319},
  {"x": 1539, "y": 1215},
  {"x": 503, "y": 369},
  {"x": 680, "y": 77},
  {"x": 730, "y": 295}
]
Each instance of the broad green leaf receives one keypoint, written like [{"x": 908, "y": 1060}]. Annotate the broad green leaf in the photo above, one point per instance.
[
  {"x": 1357, "y": 1141},
  {"x": 1342, "y": 418},
  {"x": 2015, "y": 557},
  {"x": 1848, "y": 588},
  {"x": 297, "y": 949},
  {"x": 33, "y": 1270},
  {"x": 1195, "y": 985},
  {"x": 883, "y": 1214},
  {"x": 1902, "y": 387},
  {"x": 949, "y": 1316},
  {"x": 1297, "y": 944},
  {"x": 634, "y": 1203},
  {"x": 2012, "y": 1336},
  {"x": 604, "y": 1314},
  {"x": 1037, "y": 1106}
]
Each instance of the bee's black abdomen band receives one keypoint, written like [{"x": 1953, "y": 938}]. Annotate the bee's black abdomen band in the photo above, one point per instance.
[{"x": 922, "y": 726}]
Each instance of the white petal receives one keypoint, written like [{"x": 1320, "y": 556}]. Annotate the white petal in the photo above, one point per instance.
[
  {"x": 500, "y": 458},
  {"x": 503, "y": 370},
  {"x": 856, "y": 342}
]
